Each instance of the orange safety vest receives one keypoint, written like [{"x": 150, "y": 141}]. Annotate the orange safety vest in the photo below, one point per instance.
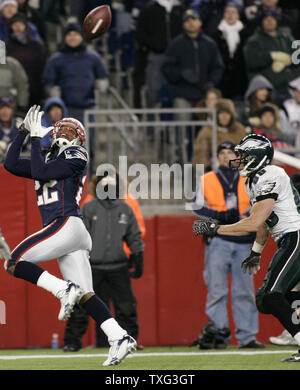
[{"x": 214, "y": 194}]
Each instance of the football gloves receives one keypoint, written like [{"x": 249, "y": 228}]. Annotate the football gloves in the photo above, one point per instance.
[
  {"x": 4, "y": 249},
  {"x": 207, "y": 226},
  {"x": 251, "y": 263},
  {"x": 33, "y": 122},
  {"x": 137, "y": 262}
]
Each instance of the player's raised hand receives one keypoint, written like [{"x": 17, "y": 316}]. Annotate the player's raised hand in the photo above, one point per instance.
[
  {"x": 204, "y": 225},
  {"x": 251, "y": 263},
  {"x": 35, "y": 121}
]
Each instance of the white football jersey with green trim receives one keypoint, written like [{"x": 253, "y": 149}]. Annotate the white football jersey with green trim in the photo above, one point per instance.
[{"x": 273, "y": 182}]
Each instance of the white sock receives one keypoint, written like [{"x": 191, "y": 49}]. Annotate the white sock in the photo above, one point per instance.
[
  {"x": 112, "y": 330},
  {"x": 51, "y": 283},
  {"x": 297, "y": 338}
]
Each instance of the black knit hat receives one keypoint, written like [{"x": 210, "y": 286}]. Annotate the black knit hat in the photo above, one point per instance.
[
  {"x": 226, "y": 145},
  {"x": 73, "y": 27},
  {"x": 266, "y": 108}
]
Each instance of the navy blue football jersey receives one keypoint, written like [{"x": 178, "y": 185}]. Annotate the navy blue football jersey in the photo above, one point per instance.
[{"x": 60, "y": 198}]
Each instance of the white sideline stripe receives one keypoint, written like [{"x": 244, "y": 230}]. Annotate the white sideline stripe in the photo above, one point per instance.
[{"x": 139, "y": 354}]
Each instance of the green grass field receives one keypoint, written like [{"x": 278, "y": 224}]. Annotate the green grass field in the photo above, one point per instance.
[{"x": 151, "y": 358}]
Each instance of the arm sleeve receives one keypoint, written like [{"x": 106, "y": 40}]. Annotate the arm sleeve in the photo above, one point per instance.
[
  {"x": 57, "y": 169},
  {"x": 133, "y": 235},
  {"x": 13, "y": 163}
]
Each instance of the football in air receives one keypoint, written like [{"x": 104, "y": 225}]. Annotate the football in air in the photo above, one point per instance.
[{"x": 97, "y": 22}]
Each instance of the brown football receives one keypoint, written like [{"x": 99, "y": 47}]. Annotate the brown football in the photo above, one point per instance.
[{"x": 97, "y": 22}]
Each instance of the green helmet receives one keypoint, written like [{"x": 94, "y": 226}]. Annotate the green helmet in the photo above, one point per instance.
[{"x": 254, "y": 152}]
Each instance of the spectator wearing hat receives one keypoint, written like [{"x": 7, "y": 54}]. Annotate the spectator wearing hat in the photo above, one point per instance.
[
  {"x": 192, "y": 65},
  {"x": 8, "y": 126},
  {"x": 268, "y": 52},
  {"x": 288, "y": 15},
  {"x": 30, "y": 52},
  {"x": 230, "y": 37},
  {"x": 8, "y": 9},
  {"x": 228, "y": 128},
  {"x": 14, "y": 83},
  {"x": 269, "y": 126},
  {"x": 222, "y": 196},
  {"x": 259, "y": 92},
  {"x": 54, "y": 110},
  {"x": 74, "y": 74}
]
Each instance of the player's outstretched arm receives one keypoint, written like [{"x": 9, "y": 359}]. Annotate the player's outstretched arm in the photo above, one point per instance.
[{"x": 259, "y": 214}]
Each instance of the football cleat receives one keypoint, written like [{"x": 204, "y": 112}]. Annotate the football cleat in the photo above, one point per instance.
[
  {"x": 119, "y": 349},
  {"x": 68, "y": 298},
  {"x": 293, "y": 358},
  {"x": 284, "y": 339}
]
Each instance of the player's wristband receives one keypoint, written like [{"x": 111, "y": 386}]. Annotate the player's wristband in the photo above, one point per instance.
[{"x": 258, "y": 248}]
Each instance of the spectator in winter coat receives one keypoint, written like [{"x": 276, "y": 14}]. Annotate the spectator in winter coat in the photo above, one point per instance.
[
  {"x": 192, "y": 63},
  {"x": 14, "y": 83},
  {"x": 31, "y": 53},
  {"x": 111, "y": 222},
  {"x": 74, "y": 73},
  {"x": 268, "y": 52},
  {"x": 228, "y": 129},
  {"x": 230, "y": 37},
  {"x": 8, "y": 9},
  {"x": 158, "y": 23}
]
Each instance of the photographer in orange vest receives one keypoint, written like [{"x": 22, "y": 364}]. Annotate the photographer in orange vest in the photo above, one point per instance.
[{"x": 222, "y": 196}]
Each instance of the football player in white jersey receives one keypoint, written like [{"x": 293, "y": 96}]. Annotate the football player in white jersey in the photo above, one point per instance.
[{"x": 275, "y": 210}]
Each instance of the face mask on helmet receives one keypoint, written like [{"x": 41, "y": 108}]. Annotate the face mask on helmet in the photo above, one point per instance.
[
  {"x": 67, "y": 132},
  {"x": 254, "y": 152}
]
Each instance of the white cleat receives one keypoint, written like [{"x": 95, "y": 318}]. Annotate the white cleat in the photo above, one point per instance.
[
  {"x": 68, "y": 298},
  {"x": 119, "y": 350},
  {"x": 284, "y": 339}
]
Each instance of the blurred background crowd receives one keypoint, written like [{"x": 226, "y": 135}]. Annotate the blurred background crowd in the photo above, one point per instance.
[{"x": 239, "y": 57}]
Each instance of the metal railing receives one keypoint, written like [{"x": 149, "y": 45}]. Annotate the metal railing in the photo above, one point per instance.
[{"x": 146, "y": 135}]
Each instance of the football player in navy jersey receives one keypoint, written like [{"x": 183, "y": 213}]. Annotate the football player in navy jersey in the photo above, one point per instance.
[{"x": 59, "y": 178}]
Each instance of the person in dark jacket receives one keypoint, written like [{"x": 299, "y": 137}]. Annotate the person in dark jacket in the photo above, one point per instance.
[
  {"x": 30, "y": 52},
  {"x": 158, "y": 23},
  {"x": 110, "y": 222},
  {"x": 74, "y": 74},
  {"x": 192, "y": 62},
  {"x": 268, "y": 52},
  {"x": 230, "y": 37}
]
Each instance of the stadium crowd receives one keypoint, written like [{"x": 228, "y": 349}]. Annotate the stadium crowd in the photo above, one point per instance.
[{"x": 241, "y": 51}]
